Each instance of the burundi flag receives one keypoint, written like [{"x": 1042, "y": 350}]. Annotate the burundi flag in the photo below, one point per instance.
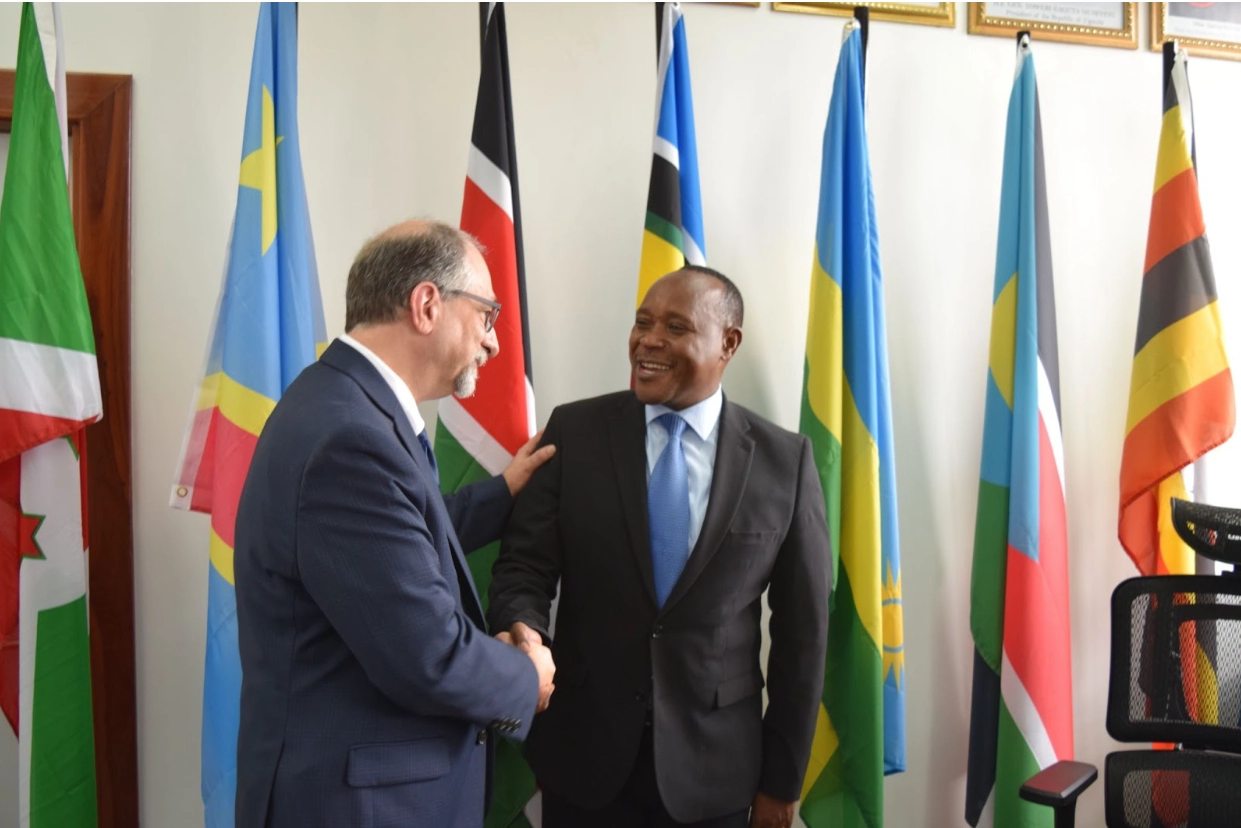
[
  {"x": 49, "y": 391},
  {"x": 1021, "y": 717},
  {"x": 847, "y": 414},
  {"x": 1180, "y": 391},
  {"x": 268, "y": 327},
  {"x": 477, "y": 437},
  {"x": 673, "y": 236}
]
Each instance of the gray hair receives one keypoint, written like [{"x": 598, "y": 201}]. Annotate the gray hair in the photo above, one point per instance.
[{"x": 391, "y": 265}]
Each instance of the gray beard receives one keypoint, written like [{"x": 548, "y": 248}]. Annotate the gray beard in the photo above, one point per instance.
[{"x": 465, "y": 381}]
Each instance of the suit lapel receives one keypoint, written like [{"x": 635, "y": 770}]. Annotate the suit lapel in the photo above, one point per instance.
[
  {"x": 627, "y": 434},
  {"x": 410, "y": 440},
  {"x": 735, "y": 450},
  {"x": 347, "y": 359}
]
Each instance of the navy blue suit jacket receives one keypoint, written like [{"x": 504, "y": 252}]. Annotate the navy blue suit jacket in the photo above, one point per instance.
[{"x": 369, "y": 681}]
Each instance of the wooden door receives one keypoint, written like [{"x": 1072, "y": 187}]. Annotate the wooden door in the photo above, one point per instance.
[{"x": 99, "y": 144}]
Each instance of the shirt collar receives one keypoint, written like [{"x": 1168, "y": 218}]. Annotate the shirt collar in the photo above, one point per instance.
[
  {"x": 403, "y": 395},
  {"x": 701, "y": 417}
]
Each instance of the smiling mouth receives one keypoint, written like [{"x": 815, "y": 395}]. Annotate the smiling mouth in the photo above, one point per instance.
[{"x": 650, "y": 368}]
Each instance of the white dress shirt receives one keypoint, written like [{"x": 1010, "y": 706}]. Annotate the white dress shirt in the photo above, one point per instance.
[
  {"x": 699, "y": 442},
  {"x": 403, "y": 395}
]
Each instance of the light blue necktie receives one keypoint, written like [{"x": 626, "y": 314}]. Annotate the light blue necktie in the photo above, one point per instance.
[
  {"x": 426, "y": 447},
  {"x": 668, "y": 508}
]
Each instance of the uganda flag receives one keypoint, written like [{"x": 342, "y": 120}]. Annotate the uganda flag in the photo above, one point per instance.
[{"x": 1180, "y": 392}]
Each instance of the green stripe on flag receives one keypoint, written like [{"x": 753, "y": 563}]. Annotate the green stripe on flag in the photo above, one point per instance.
[
  {"x": 39, "y": 267},
  {"x": 62, "y": 744},
  {"x": 827, "y": 459},
  {"x": 987, "y": 583},
  {"x": 665, "y": 230},
  {"x": 849, "y": 791},
  {"x": 1014, "y": 765}
]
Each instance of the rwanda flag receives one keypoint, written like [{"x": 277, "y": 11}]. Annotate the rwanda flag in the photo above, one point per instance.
[
  {"x": 673, "y": 236},
  {"x": 1021, "y": 718},
  {"x": 847, "y": 414},
  {"x": 268, "y": 327}
]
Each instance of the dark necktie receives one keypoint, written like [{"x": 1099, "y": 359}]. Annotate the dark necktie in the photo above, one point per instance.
[{"x": 426, "y": 447}]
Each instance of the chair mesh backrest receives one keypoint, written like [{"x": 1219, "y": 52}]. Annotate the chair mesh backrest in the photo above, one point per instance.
[
  {"x": 1176, "y": 662},
  {"x": 1172, "y": 789}
]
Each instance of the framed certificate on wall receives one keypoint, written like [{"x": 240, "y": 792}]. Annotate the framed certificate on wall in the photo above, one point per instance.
[
  {"x": 1211, "y": 29},
  {"x": 928, "y": 14},
  {"x": 1096, "y": 24}
]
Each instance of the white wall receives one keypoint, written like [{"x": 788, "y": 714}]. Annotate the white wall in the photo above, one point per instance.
[{"x": 387, "y": 94}]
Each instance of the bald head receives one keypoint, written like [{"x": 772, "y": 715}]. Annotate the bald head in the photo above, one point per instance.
[
  {"x": 717, "y": 289},
  {"x": 393, "y": 263}
]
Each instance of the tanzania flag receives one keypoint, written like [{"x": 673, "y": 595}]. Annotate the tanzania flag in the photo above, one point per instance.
[
  {"x": 1180, "y": 391},
  {"x": 673, "y": 236},
  {"x": 268, "y": 327},
  {"x": 477, "y": 437},
  {"x": 49, "y": 391},
  {"x": 847, "y": 414},
  {"x": 1021, "y": 718}
]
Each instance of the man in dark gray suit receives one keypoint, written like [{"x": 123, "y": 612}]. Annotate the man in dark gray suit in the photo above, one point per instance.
[
  {"x": 369, "y": 685},
  {"x": 665, "y": 514}
]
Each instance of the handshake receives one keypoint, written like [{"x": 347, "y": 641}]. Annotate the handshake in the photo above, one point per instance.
[{"x": 530, "y": 642}]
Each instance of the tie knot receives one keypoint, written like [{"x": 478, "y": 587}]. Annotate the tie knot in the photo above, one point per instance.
[{"x": 673, "y": 423}]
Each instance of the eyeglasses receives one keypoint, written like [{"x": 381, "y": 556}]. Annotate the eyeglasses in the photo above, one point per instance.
[{"x": 493, "y": 308}]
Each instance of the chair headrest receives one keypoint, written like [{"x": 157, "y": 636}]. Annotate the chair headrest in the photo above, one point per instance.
[{"x": 1212, "y": 531}]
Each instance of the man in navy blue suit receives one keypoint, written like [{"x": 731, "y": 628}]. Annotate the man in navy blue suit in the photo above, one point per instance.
[{"x": 369, "y": 683}]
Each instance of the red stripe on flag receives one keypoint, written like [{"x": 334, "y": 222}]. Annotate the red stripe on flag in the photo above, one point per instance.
[
  {"x": 1176, "y": 217},
  {"x": 22, "y": 430},
  {"x": 10, "y": 584},
  {"x": 502, "y": 381},
  {"x": 1175, "y": 434},
  {"x": 204, "y": 478},
  {"x": 1036, "y": 611},
  {"x": 79, "y": 445},
  {"x": 234, "y": 449},
  {"x": 1139, "y": 531}
]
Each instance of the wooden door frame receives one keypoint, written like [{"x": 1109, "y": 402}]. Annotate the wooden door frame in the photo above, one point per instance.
[{"x": 99, "y": 144}]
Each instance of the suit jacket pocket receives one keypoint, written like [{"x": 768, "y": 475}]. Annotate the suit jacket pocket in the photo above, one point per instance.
[
  {"x": 737, "y": 688},
  {"x": 744, "y": 535},
  {"x": 397, "y": 763}
]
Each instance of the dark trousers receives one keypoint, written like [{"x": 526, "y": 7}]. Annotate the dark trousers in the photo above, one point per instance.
[{"x": 637, "y": 806}]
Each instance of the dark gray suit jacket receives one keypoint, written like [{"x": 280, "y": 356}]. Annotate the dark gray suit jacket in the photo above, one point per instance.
[
  {"x": 583, "y": 520},
  {"x": 367, "y": 674}
]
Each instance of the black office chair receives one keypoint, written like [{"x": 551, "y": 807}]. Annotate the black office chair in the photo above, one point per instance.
[{"x": 1175, "y": 677}]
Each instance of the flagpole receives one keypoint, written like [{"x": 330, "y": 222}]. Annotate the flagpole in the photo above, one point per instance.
[
  {"x": 1169, "y": 58},
  {"x": 1196, "y": 483},
  {"x": 862, "y": 15}
]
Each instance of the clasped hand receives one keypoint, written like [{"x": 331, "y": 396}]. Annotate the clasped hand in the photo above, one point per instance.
[{"x": 521, "y": 636}]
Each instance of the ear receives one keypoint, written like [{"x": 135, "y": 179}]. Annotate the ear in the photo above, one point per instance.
[
  {"x": 732, "y": 341},
  {"x": 425, "y": 307}
]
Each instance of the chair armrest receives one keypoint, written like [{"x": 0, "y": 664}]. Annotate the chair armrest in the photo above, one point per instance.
[{"x": 1060, "y": 784}]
